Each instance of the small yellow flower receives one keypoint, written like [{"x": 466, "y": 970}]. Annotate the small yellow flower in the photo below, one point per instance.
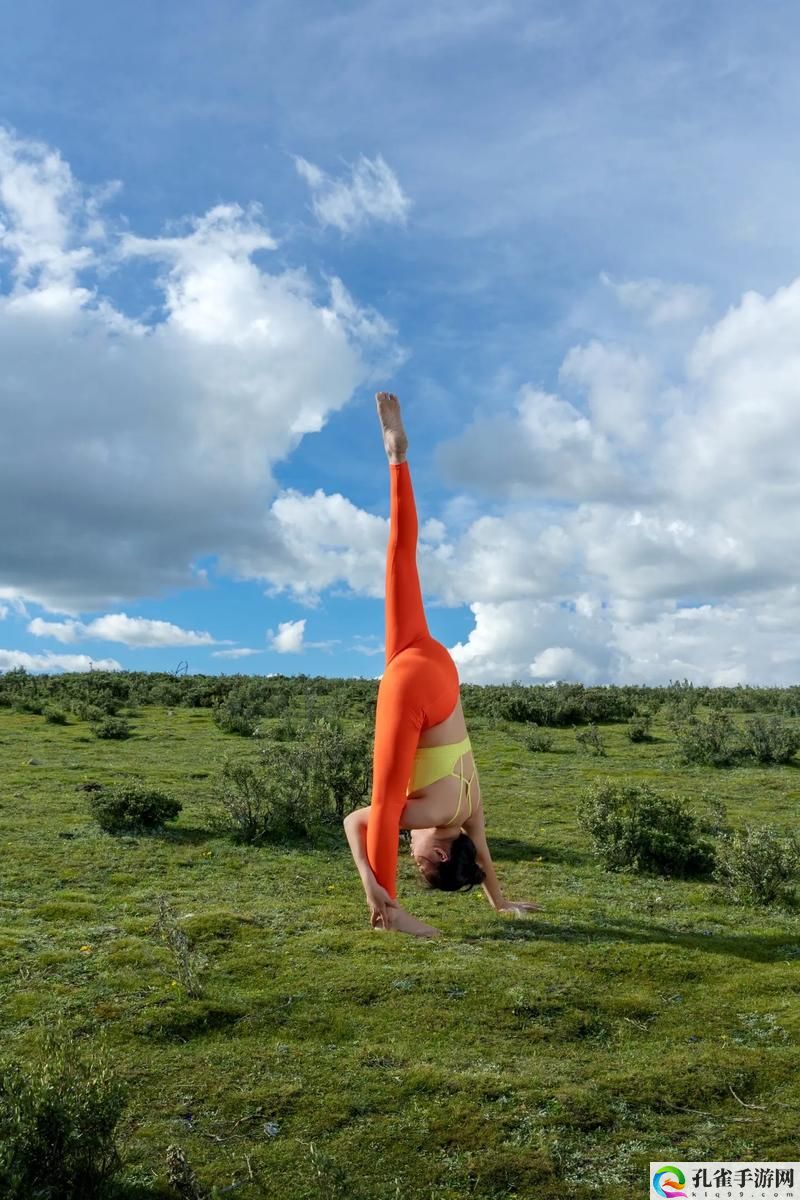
[
  {"x": 86, "y": 949},
  {"x": 174, "y": 983}
]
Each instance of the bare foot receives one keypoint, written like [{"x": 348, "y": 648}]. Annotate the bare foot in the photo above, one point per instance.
[
  {"x": 401, "y": 921},
  {"x": 395, "y": 439}
]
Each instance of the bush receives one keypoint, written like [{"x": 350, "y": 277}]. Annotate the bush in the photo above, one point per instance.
[
  {"x": 639, "y": 727},
  {"x": 116, "y": 728},
  {"x": 291, "y": 789},
  {"x": 590, "y": 740},
  {"x": 53, "y": 715},
  {"x": 632, "y": 827},
  {"x": 713, "y": 742},
  {"x": 58, "y": 1119},
  {"x": 286, "y": 730},
  {"x": 714, "y": 820},
  {"x": 757, "y": 865},
  {"x": 537, "y": 739},
  {"x": 770, "y": 739},
  {"x": 260, "y": 801},
  {"x": 188, "y": 963},
  {"x": 337, "y": 767},
  {"x": 132, "y": 807},
  {"x": 238, "y": 713}
]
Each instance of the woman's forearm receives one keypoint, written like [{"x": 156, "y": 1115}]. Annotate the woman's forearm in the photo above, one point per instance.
[
  {"x": 355, "y": 831},
  {"x": 491, "y": 884},
  {"x": 491, "y": 888}
]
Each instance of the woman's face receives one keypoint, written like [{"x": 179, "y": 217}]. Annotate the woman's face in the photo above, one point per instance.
[{"x": 428, "y": 848}]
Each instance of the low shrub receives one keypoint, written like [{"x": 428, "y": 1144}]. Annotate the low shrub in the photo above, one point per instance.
[
  {"x": 634, "y": 828},
  {"x": 713, "y": 818},
  {"x": 132, "y": 808},
  {"x": 112, "y": 728},
  {"x": 58, "y": 1120},
  {"x": 770, "y": 739},
  {"x": 256, "y": 802},
  {"x": 238, "y": 713},
  {"x": 537, "y": 739},
  {"x": 53, "y": 715},
  {"x": 337, "y": 766},
  {"x": 758, "y": 866},
  {"x": 286, "y": 730},
  {"x": 590, "y": 740},
  {"x": 188, "y": 963},
  {"x": 639, "y": 727},
  {"x": 713, "y": 741},
  {"x": 293, "y": 788}
]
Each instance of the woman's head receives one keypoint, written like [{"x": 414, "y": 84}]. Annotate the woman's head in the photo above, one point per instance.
[{"x": 447, "y": 864}]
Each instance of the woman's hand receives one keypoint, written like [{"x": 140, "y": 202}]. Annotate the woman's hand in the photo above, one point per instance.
[
  {"x": 517, "y": 907},
  {"x": 380, "y": 904}
]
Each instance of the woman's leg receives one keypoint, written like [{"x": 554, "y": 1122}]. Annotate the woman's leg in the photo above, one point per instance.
[
  {"x": 398, "y": 716},
  {"x": 397, "y": 726},
  {"x": 404, "y": 611}
]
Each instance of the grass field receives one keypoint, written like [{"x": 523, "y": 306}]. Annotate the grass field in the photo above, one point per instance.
[{"x": 553, "y": 1056}]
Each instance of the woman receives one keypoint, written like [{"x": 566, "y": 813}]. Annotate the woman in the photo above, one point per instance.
[{"x": 424, "y": 776}]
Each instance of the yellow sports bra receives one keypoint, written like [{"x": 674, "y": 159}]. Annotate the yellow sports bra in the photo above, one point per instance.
[{"x": 432, "y": 763}]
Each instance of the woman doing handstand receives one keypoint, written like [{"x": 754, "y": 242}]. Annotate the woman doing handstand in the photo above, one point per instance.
[{"x": 424, "y": 776}]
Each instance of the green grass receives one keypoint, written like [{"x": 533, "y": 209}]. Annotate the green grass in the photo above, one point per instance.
[{"x": 550, "y": 1056}]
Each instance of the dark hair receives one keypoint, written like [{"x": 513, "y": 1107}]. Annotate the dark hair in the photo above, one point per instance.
[{"x": 458, "y": 872}]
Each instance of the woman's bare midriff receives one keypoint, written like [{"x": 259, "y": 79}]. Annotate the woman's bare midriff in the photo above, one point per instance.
[{"x": 444, "y": 792}]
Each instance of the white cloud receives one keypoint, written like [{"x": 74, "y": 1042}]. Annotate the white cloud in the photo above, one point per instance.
[
  {"x": 289, "y": 638},
  {"x": 619, "y": 387},
  {"x": 372, "y": 193},
  {"x": 660, "y": 303},
  {"x": 11, "y": 659},
  {"x": 62, "y": 631},
  {"x": 547, "y": 448},
  {"x": 240, "y": 652},
  {"x": 364, "y": 643},
  {"x": 160, "y": 436},
  {"x": 48, "y": 219},
  {"x": 533, "y": 641},
  {"x": 118, "y": 627},
  {"x": 609, "y": 565},
  {"x": 321, "y": 539}
]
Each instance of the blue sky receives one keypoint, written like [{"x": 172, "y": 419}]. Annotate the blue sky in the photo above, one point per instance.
[{"x": 565, "y": 236}]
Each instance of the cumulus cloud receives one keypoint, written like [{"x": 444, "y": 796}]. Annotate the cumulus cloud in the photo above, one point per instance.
[
  {"x": 546, "y": 448},
  {"x": 619, "y": 388},
  {"x": 371, "y": 193},
  {"x": 289, "y": 638},
  {"x": 118, "y": 627},
  {"x": 535, "y": 642},
  {"x": 160, "y": 434},
  {"x": 239, "y": 652},
  {"x": 659, "y": 303},
  {"x": 13, "y": 659},
  {"x": 648, "y": 529}
]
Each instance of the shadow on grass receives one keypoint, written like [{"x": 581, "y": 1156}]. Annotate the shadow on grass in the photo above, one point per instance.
[
  {"x": 187, "y": 835},
  {"x": 139, "y": 1191},
  {"x": 513, "y": 850},
  {"x": 770, "y": 949}
]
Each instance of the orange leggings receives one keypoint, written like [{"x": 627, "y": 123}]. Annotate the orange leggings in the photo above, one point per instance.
[{"x": 419, "y": 686}]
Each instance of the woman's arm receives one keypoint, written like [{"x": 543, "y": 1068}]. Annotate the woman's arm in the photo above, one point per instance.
[
  {"x": 475, "y": 828},
  {"x": 355, "y": 828},
  {"x": 385, "y": 912}
]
